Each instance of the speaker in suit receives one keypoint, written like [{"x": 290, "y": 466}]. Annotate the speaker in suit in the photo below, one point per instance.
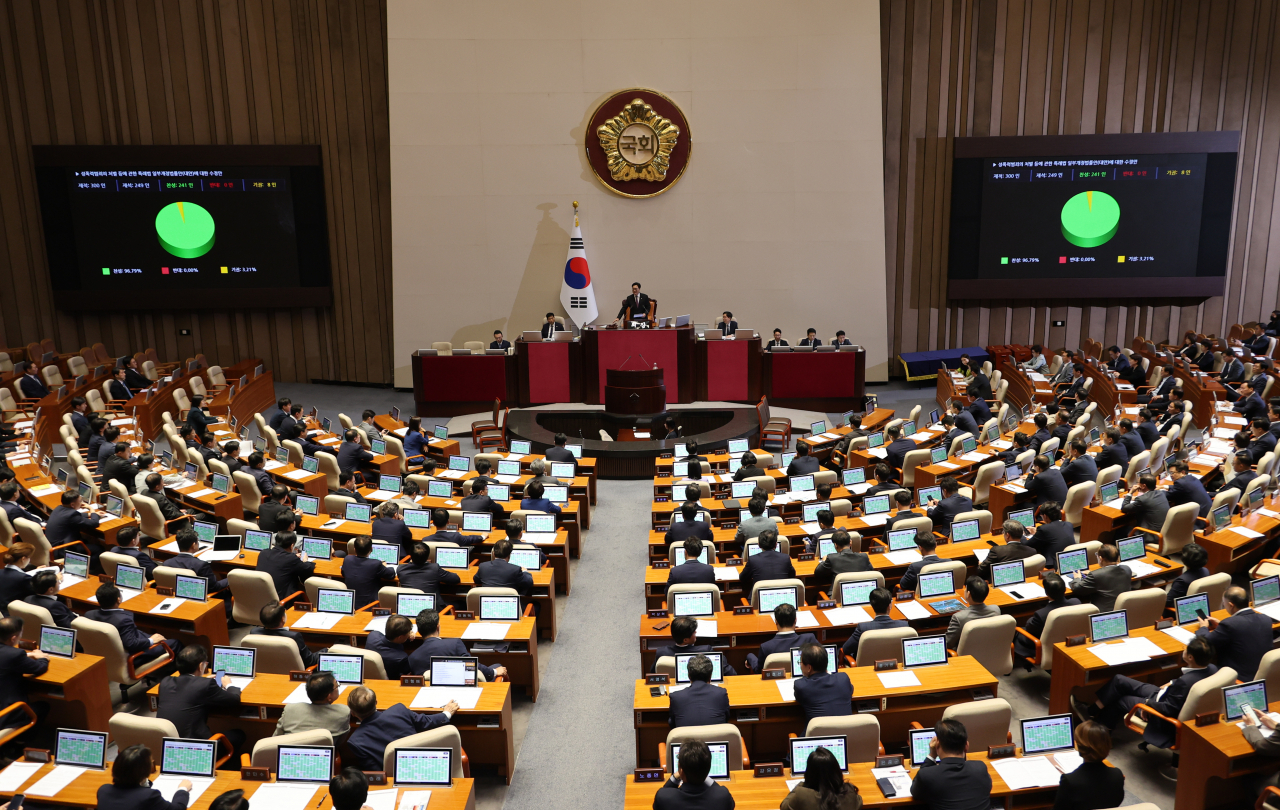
[
  {"x": 200, "y": 568},
  {"x": 285, "y": 568},
  {"x": 500, "y": 344},
  {"x": 699, "y": 704},
  {"x": 369, "y": 740},
  {"x": 728, "y": 327},
  {"x": 824, "y": 694},
  {"x": 635, "y": 307},
  {"x": 1122, "y": 693},
  {"x": 551, "y": 327},
  {"x": 952, "y": 782},
  {"x": 765, "y": 565},
  {"x": 1047, "y": 485},
  {"x": 1078, "y": 470},
  {"x": 1240, "y": 639}
]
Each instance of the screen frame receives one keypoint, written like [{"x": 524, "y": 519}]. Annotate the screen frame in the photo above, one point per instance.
[
  {"x": 280, "y": 751},
  {"x": 448, "y": 753},
  {"x": 1022, "y": 729}
]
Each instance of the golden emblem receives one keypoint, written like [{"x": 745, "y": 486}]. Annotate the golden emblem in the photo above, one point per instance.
[{"x": 638, "y": 142}]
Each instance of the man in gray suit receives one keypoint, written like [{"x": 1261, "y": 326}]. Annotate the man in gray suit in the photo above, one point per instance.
[
  {"x": 1150, "y": 505},
  {"x": 1104, "y": 585},
  {"x": 976, "y": 588},
  {"x": 758, "y": 522}
]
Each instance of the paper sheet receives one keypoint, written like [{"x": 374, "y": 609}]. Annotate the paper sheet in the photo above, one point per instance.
[
  {"x": 491, "y": 631},
  {"x": 947, "y": 465},
  {"x": 318, "y": 621},
  {"x": 981, "y": 554},
  {"x": 539, "y": 538},
  {"x": 381, "y": 799},
  {"x": 415, "y": 800},
  {"x": 860, "y": 489},
  {"x": 271, "y": 464},
  {"x": 167, "y": 784},
  {"x": 299, "y": 694},
  {"x": 55, "y": 780},
  {"x": 14, "y": 776},
  {"x": 379, "y": 623},
  {"x": 1116, "y": 654},
  {"x": 1024, "y": 591},
  {"x": 903, "y": 557},
  {"x": 854, "y": 614},
  {"x": 1180, "y": 634},
  {"x": 1142, "y": 644},
  {"x": 913, "y": 610},
  {"x": 168, "y": 605},
  {"x": 1002, "y": 444},
  {"x": 47, "y": 489},
  {"x": 240, "y": 683},
  {"x": 811, "y": 528},
  {"x": 1014, "y": 487},
  {"x": 708, "y": 628},
  {"x": 285, "y": 796},
  {"x": 508, "y": 479},
  {"x": 805, "y": 619},
  {"x": 976, "y": 455},
  {"x": 899, "y": 777},
  {"x": 218, "y": 556},
  {"x": 1272, "y": 610},
  {"x": 1027, "y": 772},
  {"x": 297, "y": 475},
  {"x": 726, "y": 573},
  {"x": 434, "y": 697},
  {"x": 330, "y": 440},
  {"x": 200, "y": 493},
  {"x": 1142, "y": 569},
  {"x": 1068, "y": 761},
  {"x": 875, "y": 520},
  {"x": 1269, "y": 513},
  {"x": 126, "y": 594},
  {"x": 879, "y": 452},
  {"x": 787, "y": 689},
  {"x": 898, "y": 680},
  {"x": 1249, "y": 533}
]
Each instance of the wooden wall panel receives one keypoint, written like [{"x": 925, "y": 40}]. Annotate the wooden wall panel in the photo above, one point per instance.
[
  {"x": 206, "y": 72},
  {"x": 966, "y": 68}
]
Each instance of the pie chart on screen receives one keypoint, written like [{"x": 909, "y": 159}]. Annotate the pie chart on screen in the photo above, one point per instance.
[
  {"x": 1090, "y": 218},
  {"x": 185, "y": 230}
]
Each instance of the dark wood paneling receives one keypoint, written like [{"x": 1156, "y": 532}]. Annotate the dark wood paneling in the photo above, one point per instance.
[
  {"x": 1016, "y": 67},
  {"x": 142, "y": 72}
]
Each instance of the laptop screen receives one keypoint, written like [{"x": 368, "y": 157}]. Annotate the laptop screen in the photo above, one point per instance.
[
  {"x": 818, "y": 427},
  {"x": 499, "y": 492},
  {"x": 1012, "y": 472},
  {"x": 719, "y": 759},
  {"x": 129, "y": 576},
  {"x": 1221, "y": 517},
  {"x": 925, "y": 651},
  {"x": 679, "y": 469},
  {"x": 386, "y": 553},
  {"x": 802, "y": 747},
  {"x": 875, "y": 439},
  {"x": 1009, "y": 573},
  {"x": 562, "y": 469},
  {"x": 576, "y": 449},
  {"x": 920, "y": 739},
  {"x": 308, "y": 504},
  {"x": 500, "y": 608},
  {"x": 802, "y": 483},
  {"x": 1027, "y": 517},
  {"x": 508, "y": 467},
  {"x": 682, "y": 666},
  {"x": 833, "y": 661},
  {"x": 853, "y": 475},
  {"x": 1265, "y": 590},
  {"x": 76, "y": 564},
  {"x": 752, "y": 548},
  {"x": 902, "y": 539},
  {"x": 441, "y": 432},
  {"x": 255, "y": 540},
  {"x": 556, "y": 494},
  {"x": 540, "y": 523},
  {"x": 378, "y": 447},
  {"x": 1041, "y": 734},
  {"x": 527, "y": 558},
  {"x": 389, "y": 483},
  {"x": 333, "y": 600},
  {"x": 521, "y": 448},
  {"x": 321, "y": 549},
  {"x": 810, "y": 510},
  {"x": 963, "y": 530},
  {"x": 357, "y": 512},
  {"x": 304, "y": 763},
  {"x": 857, "y": 592},
  {"x": 417, "y": 518},
  {"x": 787, "y": 458},
  {"x": 937, "y": 455},
  {"x": 908, "y": 428},
  {"x": 1235, "y": 698},
  {"x": 739, "y": 446},
  {"x": 1186, "y": 607},
  {"x": 460, "y": 463},
  {"x": 196, "y": 588},
  {"x": 424, "y": 766},
  {"x": 57, "y": 641},
  {"x": 1131, "y": 548},
  {"x": 451, "y": 670},
  {"x": 968, "y": 444},
  {"x": 188, "y": 757},
  {"x": 1109, "y": 492},
  {"x": 770, "y": 598},
  {"x": 477, "y": 522},
  {"x": 451, "y": 557},
  {"x": 235, "y": 661},
  {"x": 206, "y": 531},
  {"x": 87, "y": 749},
  {"x": 411, "y": 604},
  {"x": 1072, "y": 561},
  {"x": 346, "y": 668},
  {"x": 923, "y": 494},
  {"x": 1106, "y": 626},
  {"x": 282, "y": 455},
  {"x": 936, "y": 584},
  {"x": 826, "y": 546},
  {"x": 743, "y": 489},
  {"x": 694, "y": 604},
  {"x": 875, "y": 505},
  {"x": 680, "y": 449}
]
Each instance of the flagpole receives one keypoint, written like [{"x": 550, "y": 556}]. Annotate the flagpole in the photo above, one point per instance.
[{"x": 575, "y": 213}]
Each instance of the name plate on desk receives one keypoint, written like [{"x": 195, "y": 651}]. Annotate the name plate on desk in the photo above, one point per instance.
[
  {"x": 302, "y": 607},
  {"x": 889, "y": 762},
  {"x": 826, "y": 604},
  {"x": 773, "y": 675},
  {"x": 162, "y": 590},
  {"x": 735, "y": 561},
  {"x": 464, "y": 615},
  {"x": 298, "y": 674},
  {"x": 729, "y": 524},
  {"x": 412, "y": 680},
  {"x": 743, "y": 610},
  {"x": 36, "y": 754},
  {"x": 1163, "y": 623},
  {"x": 875, "y": 550},
  {"x": 1074, "y": 641},
  {"x": 887, "y": 663},
  {"x": 658, "y": 613},
  {"x": 381, "y": 612},
  {"x": 656, "y": 679},
  {"x": 1001, "y": 751},
  {"x": 25, "y": 644},
  {"x": 662, "y": 564},
  {"x": 767, "y": 769},
  {"x": 806, "y": 557},
  {"x": 650, "y": 775},
  {"x": 791, "y": 521},
  {"x": 1207, "y": 719},
  {"x": 376, "y": 777},
  {"x": 255, "y": 774},
  {"x": 904, "y": 596},
  {"x": 106, "y": 579}
]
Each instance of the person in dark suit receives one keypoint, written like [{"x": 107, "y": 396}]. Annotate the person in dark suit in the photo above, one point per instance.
[
  {"x": 1103, "y": 585},
  {"x": 952, "y": 504},
  {"x": 188, "y": 543},
  {"x": 17, "y": 663},
  {"x": 964, "y": 420},
  {"x": 811, "y": 338},
  {"x": 1158, "y": 397},
  {"x": 1117, "y": 360},
  {"x": 1149, "y": 506},
  {"x": 701, "y": 703},
  {"x": 727, "y": 325},
  {"x": 784, "y": 616},
  {"x": 689, "y": 526},
  {"x": 66, "y": 522},
  {"x": 1042, "y": 433},
  {"x": 1194, "y": 558},
  {"x": 843, "y": 561},
  {"x": 821, "y": 693},
  {"x": 440, "y": 520},
  {"x": 692, "y": 570},
  {"x": 499, "y": 573},
  {"x": 927, "y": 542},
  {"x": 389, "y": 526},
  {"x": 196, "y": 418},
  {"x": 1273, "y": 414},
  {"x": 479, "y": 501},
  {"x": 428, "y": 622},
  {"x": 1079, "y": 466},
  {"x": 276, "y": 513},
  {"x": 352, "y": 453},
  {"x": 1242, "y": 638},
  {"x": 107, "y": 447},
  {"x": 1174, "y": 412},
  {"x": 880, "y": 600},
  {"x": 499, "y": 342},
  {"x": 30, "y": 383},
  {"x": 1130, "y": 439},
  {"x": 44, "y": 593},
  {"x": 186, "y": 699},
  {"x": 1021, "y": 444},
  {"x": 130, "y": 789},
  {"x": 13, "y": 510},
  {"x": 634, "y": 307},
  {"x": 1055, "y": 590},
  {"x": 363, "y": 574},
  {"x": 1251, "y": 407},
  {"x": 947, "y": 780},
  {"x": 1013, "y": 549},
  {"x": 255, "y": 469},
  {"x": 421, "y": 573},
  {"x": 1122, "y": 693},
  {"x": 885, "y": 480},
  {"x": 1261, "y": 441},
  {"x": 1112, "y": 453},
  {"x": 804, "y": 463},
  {"x": 155, "y": 491},
  {"x": 378, "y": 729},
  {"x": 1146, "y": 429},
  {"x": 1233, "y": 371},
  {"x": 980, "y": 411},
  {"x": 684, "y": 632},
  {"x": 390, "y": 646},
  {"x": 127, "y": 543},
  {"x": 1240, "y": 462},
  {"x": 133, "y": 639},
  {"x": 133, "y": 377},
  {"x": 841, "y": 340},
  {"x": 1205, "y": 359},
  {"x": 690, "y": 788},
  {"x": 119, "y": 390},
  {"x": 272, "y": 616},
  {"x": 550, "y": 326},
  {"x": 777, "y": 340},
  {"x": 277, "y": 418},
  {"x": 1094, "y": 784},
  {"x": 1045, "y": 482},
  {"x": 1186, "y": 488},
  {"x": 902, "y": 509},
  {"x": 1072, "y": 392},
  {"x": 1061, "y": 428},
  {"x": 979, "y": 385},
  {"x": 748, "y": 468},
  {"x": 80, "y": 420},
  {"x": 287, "y": 568},
  {"x": 897, "y": 448},
  {"x": 560, "y": 452},
  {"x": 1052, "y": 534},
  {"x": 769, "y": 563},
  {"x": 535, "y": 502}
]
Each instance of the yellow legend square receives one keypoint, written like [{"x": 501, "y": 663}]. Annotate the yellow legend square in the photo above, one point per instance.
[
  {"x": 225, "y": 269},
  {"x": 1118, "y": 258}
]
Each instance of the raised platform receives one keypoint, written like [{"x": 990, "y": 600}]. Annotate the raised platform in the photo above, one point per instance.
[{"x": 712, "y": 427}]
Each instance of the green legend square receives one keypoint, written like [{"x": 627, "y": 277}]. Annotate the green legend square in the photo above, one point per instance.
[
  {"x": 106, "y": 271},
  {"x": 1004, "y": 259}
]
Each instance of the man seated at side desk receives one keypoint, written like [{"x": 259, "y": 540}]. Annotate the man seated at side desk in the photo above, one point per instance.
[
  {"x": 804, "y": 463},
  {"x": 1242, "y": 638},
  {"x": 690, "y": 788},
  {"x": 784, "y": 616},
  {"x": 897, "y": 448},
  {"x": 428, "y": 622},
  {"x": 288, "y": 567},
  {"x": 947, "y": 780},
  {"x": 1061, "y": 428},
  {"x": 1242, "y": 477},
  {"x": 766, "y": 564},
  {"x": 13, "y": 510},
  {"x": 928, "y": 544},
  {"x": 701, "y": 703},
  {"x": 692, "y": 570},
  {"x": 963, "y": 420},
  {"x": 133, "y": 639},
  {"x": 880, "y": 600},
  {"x": 44, "y": 593},
  {"x": 689, "y": 527},
  {"x": 421, "y": 573},
  {"x": 1079, "y": 466},
  {"x": 976, "y": 589},
  {"x": 273, "y": 617},
  {"x": 1103, "y": 585},
  {"x": 684, "y": 632},
  {"x": 1013, "y": 549},
  {"x": 550, "y": 326},
  {"x": 479, "y": 501},
  {"x": 440, "y": 520},
  {"x": 389, "y": 526},
  {"x": 1186, "y": 488},
  {"x": 1055, "y": 590},
  {"x": 499, "y": 342},
  {"x": 1021, "y": 444},
  {"x": 390, "y": 646},
  {"x": 535, "y": 502},
  {"x": 1052, "y": 534},
  {"x": 1113, "y": 453},
  {"x": 843, "y": 561},
  {"x": 1146, "y": 504},
  {"x": 1042, "y": 433},
  {"x": 127, "y": 540},
  {"x": 378, "y": 729},
  {"x": 66, "y": 522},
  {"x": 821, "y": 693},
  {"x": 560, "y": 452},
  {"x": 952, "y": 503},
  {"x": 757, "y": 523},
  {"x": 1045, "y": 482},
  {"x": 322, "y": 712},
  {"x": 886, "y": 480}
]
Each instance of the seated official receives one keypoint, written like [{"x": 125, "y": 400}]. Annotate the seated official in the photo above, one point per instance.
[
  {"x": 155, "y": 491},
  {"x": 416, "y": 443},
  {"x": 352, "y": 453},
  {"x": 118, "y": 467},
  {"x": 841, "y": 340},
  {"x": 273, "y": 617},
  {"x": 440, "y": 520},
  {"x": 80, "y": 415},
  {"x": 13, "y": 510},
  {"x": 130, "y": 785},
  {"x": 30, "y": 383},
  {"x": 551, "y": 326},
  {"x": 1045, "y": 483},
  {"x": 389, "y": 526},
  {"x": 535, "y": 502},
  {"x": 209, "y": 449},
  {"x": 976, "y": 591},
  {"x": 347, "y": 487},
  {"x": 514, "y": 530},
  {"x": 823, "y": 786},
  {"x": 1240, "y": 480},
  {"x": 784, "y": 616},
  {"x": 499, "y": 342},
  {"x": 323, "y": 712},
  {"x": 97, "y": 437},
  {"x": 670, "y": 430},
  {"x": 979, "y": 386},
  {"x": 256, "y": 468},
  {"x": 185, "y": 700},
  {"x": 500, "y": 573},
  {"x": 843, "y": 561},
  {"x": 66, "y": 523},
  {"x": 1129, "y": 438},
  {"x": 811, "y": 338},
  {"x": 1261, "y": 439},
  {"x": 1037, "y": 362},
  {"x": 378, "y": 729},
  {"x": 1042, "y": 433},
  {"x": 897, "y": 447},
  {"x": 1104, "y": 584},
  {"x": 1093, "y": 785},
  {"x": 684, "y": 632},
  {"x": 276, "y": 512},
  {"x": 1079, "y": 466},
  {"x": 701, "y": 703},
  {"x": 1072, "y": 392},
  {"x": 886, "y": 480},
  {"x": 433, "y": 644},
  {"x": 16, "y": 664},
  {"x": 277, "y": 418},
  {"x": 952, "y": 504},
  {"x": 1112, "y": 454},
  {"x": 482, "y": 467},
  {"x": 689, "y": 527},
  {"x": 1061, "y": 428},
  {"x": 560, "y": 452},
  {"x": 409, "y": 494},
  {"x": 422, "y": 573},
  {"x": 1186, "y": 488},
  {"x": 728, "y": 325},
  {"x": 777, "y": 340},
  {"x": 1013, "y": 549},
  {"x": 1157, "y": 397},
  {"x": 692, "y": 570},
  {"x": 1242, "y": 638},
  {"x": 367, "y": 425},
  {"x": 538, "y": 469},
  {"x": 111, "y": 436},
  {"x": 1055, "y": 591},
  {"x": 766, "y": 564},
  {"x": 287, "y": 565},
  {"x": 1146, "y": 504},
  {"x": 690, "y": 788},
  {"x": 479, "y": 501},
  {"x": 748, "y": 468},
  {"x": 757, "y": 524},
  {"x": 927, "y": 542},
  {"x": 298, "y": 433},
  {"x": 15, "y": 582},
  {"x": 364, "y": 574},
  {"x": 901, "y": 509},
  {"x": 1122, "y": 693},
  {"x": 826, "y": 529},
  {"x": 127, "y": 543},
  {"x": 963, "y": 420},
  {"x": 44, "y": 593},
  {"x": 1194, "y": 558},
  {"x": 390, "y": 646},
  {"x": 188, "y": 543},
  {"x": 1173, "y": 412},
  {"x": 821, "y": 693},
  {"x": 1052, "y": 534},
  {"x": 946, "y": 779},
  {"x": 133, "y": 639},
  {"x": 1021, "y": 444},
  {"x": 803, "y": 463}
]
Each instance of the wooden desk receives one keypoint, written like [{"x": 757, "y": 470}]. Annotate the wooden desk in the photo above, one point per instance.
[
  {"x": 766, "y": 736},
  {"x": 203, "y": 623},
  {"x": 30, "y": 477},
  {"x": 77, "y": 690},
  {"x": 83, "y": 790},
  {"x": 1233, "y": 552},
  {"x": 257, "y": 396},
  {"x": 1213, "y": 757}
]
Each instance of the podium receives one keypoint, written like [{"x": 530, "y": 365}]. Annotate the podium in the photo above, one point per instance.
[{"x": 641, "y": 391}]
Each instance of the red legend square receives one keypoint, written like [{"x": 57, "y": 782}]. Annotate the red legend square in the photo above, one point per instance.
[
  {"x": 1061, "y": 260},
  {"x": 164, "y": 271}
]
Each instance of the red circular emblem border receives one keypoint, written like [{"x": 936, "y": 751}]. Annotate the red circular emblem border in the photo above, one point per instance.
[{"x": 638, "y": 189}]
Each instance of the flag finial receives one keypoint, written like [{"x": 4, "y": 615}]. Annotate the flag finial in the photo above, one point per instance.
[{"x": 575, "y": 212}]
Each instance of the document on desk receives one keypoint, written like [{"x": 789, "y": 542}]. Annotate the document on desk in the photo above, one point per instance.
[
  {"x": 1269, "y": 513},
  {"x": 55, "y": 780},
  {"x": 805, "y": 619},
  {"x": 330, "y": 440},
  {"x": 1027, "y": 772},
  {"x": 854, "y": 614},
  {"x": 317, "y": 621},
  {"x": 279, "y": 796},
  {"x": 1272, "y": 610},
  {"x": 240, "y": 683},
  {"x": 47, "y": 489},
  {"x": 299, "y": 694},
  {"x": 1142, "y": 569},
  {"x": 1024, "y": 591},
  {"x": 489, "y": 631},
  {"x": 913, "y": 610},
  {"x": 899, "y": 777},
  {"x": 879, "y": 452},
  {"x": 1114, "y": 503},
  {"x": 14, "y": 776},
  {"x": 726, "y": 573},
  {"x": 1249, "y": 533},
  {"x": 974, "y": 456},
  {"x": 125, "y": 594},
  {"x": 1067, "y": 761},
  {"x": 1235, "y": 420},
  {"x": 297, "y": 475},
  {"x": 898, "y": 680},
  {"x": 415, "y": 800},
  {"x": 1014, "y": 487},
  {"x": 381, "y": 799},
  {"x": 1181, "y": 634},
  {"x": 726, "y": 478},
  {"x": 540, "y": 538},
  {"x": 167, "y": 784},
  {"x": 218, "y": 556},
  {"x": 981, "y": 554},
  {"x": 453, "y": 474},
  {"x": 508, "y": 479},
  {"x": 379, "y": 623},
  {"x": 860, "y": 489},
  {"x": 875, "y": 520},
  {"x": 272, "y": 464},
  {"x": 1120, "y": 653},
  {"x": 787, "y": 689},
  {"x": 811, "y": 528},
  {"x": 1003, "y": 444},
  {"x": 199, "y": 493},
  {"x": 1222, "y": 433},
  {"x": 708, "y": 628},
  {"x": 946, "y": 465},
  {"x": 376, "y": 495},
  {"x": 903, "y": 557},
  {"x": 434, "y": 697},
  {"x": 168, "y": 605}
]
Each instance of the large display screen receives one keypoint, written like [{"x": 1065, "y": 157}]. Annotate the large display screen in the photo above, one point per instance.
[
  {"x": 185, "y": 227},
  {"x": 1091, "y": 216}
]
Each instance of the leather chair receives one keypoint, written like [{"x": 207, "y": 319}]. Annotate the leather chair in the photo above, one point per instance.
[
  {"x": 103, "y": 640},
  {"x": 708, "y": 546},
  {"x": 693, "y": 587},
  {"x": 313, "y": 584},
  {"x": 861, "y": 732},
  {"x": 131, "y": 729},
  {"x": 987, "y": 721},
  {"x": 854, "y": 576},
  {"x": 1178, "y": 529},
  {"x": 443, "y": 737},
  {"x": 1061, "y": 622},
  {"x": 1078, "y": 497},
  {"x": 264, "y": 750},
  {"x": 984, "y": 519},
  {"x": 987, "y": 475},
  {"x": 276, "y": 654},
  {"x": 374, "y": 669},
  {"x": 798, "y": 584},
  {"x": 1204, "y": 697},
  {"x": 1214, "y": 585},
  {"x": 1090, "y": 547},
  {"x": 1144, "y": 606},
  {"x": 991, "y": 642},
  {"x": 720, "y": 732},
  {"x": 956, "y": 567},
  {"x": 33, "y": 616},
  {"x": 110, "y": 560},
  {"x": 881, "y": 645},
  {"x": 250, "y": 592},
  {"x": 33, "y": 533}
]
